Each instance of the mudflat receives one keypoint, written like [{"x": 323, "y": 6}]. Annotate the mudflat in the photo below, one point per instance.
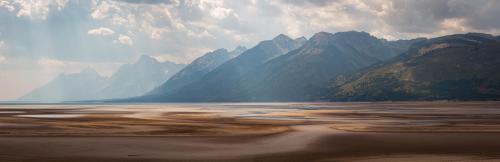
[{"x": 382, "y": 131}]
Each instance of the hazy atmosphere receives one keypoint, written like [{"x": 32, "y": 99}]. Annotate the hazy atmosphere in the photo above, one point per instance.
[
  {"x": 249, "y": 80},
  {"x": 41, "y": 39}
]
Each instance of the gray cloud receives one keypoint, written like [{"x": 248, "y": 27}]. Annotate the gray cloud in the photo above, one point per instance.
[
  {"x": 427, "y": 15},
  {"x": 482, "y": 17}
]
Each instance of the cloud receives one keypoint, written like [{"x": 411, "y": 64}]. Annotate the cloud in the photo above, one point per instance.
[
  {"x": 104, "y": 9},
  {"x": 7, "y": 5},
  {"x": 46, "y": 62},
  {"x": 392, "y": 19},
  {"x": 434, "y": 17},
  {"x": 101, "y": 31},
  {"x": 124, "y": 39},
  {"x": 171, "y": 26},
  {"x": 36, "y": 10}
]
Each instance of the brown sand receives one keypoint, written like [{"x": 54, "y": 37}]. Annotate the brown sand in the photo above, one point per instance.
[
  {"x": 426, "y": 131},
  {"x": 284, "y": 147}
]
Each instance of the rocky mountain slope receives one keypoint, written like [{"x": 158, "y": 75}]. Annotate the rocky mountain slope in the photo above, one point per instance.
[{"x": 461, "y": 67}]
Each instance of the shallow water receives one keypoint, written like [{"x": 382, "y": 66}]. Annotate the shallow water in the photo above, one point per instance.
[
  {"x": 54, "y": 116},
  {"x": 404, "y": 113},
  {"x": 11, "y": 112}
]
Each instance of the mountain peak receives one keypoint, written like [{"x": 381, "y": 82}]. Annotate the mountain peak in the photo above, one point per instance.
[
  {"x": 217, "y": 52},
  {"x": 321, "y": 36},
  {"x": 282, "y": 37},
  {"x": 301, "y": 39},
  {"x": 480, "y": 34},
  {"x": 237, "y": 51},
  {"x": 348, "y": 36},
  {"x": 240, "y": 48},
  {"x": 220, "y": 50},
  {"x": 145, "y": 59},
  {"x": 353, "y": 34}
]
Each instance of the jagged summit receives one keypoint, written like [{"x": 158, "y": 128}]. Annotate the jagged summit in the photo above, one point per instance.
[
  {"x": 237, "y": 51},
  {"x": 145, "y": 59},
  {"x": 214, "y": 53},
  {"x": 321, "y": 36},
  {"x": 341, "y": 35},
  {"x": 68, "y": 87},
  {"x": 301, "y": 39},
  {"x": 240, "y": 48},
  {"x": 281, "y": 38},
  {"x": 354, "y": 35},
  {"x": 220, "y": 50}
]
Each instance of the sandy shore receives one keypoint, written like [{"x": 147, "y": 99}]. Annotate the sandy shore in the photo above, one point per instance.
[
  {"x": 163, "y": 148},
  {"x": 289, "y": 132},
  {"x": 303, "y": 145}
]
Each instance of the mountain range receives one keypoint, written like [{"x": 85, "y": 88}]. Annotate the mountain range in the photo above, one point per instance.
[
  {"x": 128, "y": 81},
  {"x": 197, "y": 69},
  {"x": 456, "y": 67},
  {"x": 136, "y": 79},
  {"x": 354, "y": 66},
  {"x": 343, "y": 66},
  {"x": 285, "y": 69},
  {"x": 302, "y": 74},
  {"x": 219, "y": 82},
  {"x": 68, "y": 87}
]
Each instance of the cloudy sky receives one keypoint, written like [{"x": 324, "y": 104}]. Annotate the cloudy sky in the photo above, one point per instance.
[{"x": 41, "y": 38}]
